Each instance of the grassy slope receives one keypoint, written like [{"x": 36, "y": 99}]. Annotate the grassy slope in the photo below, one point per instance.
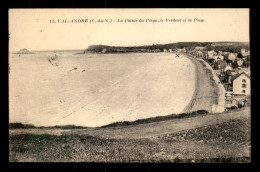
[{"x": 226, "y": 142}]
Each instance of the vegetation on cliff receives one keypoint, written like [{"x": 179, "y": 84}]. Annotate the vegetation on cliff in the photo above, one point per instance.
[{"x": 217, "y": 46}]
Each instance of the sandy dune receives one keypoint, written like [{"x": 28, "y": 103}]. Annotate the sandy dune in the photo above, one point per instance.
[{"x": 97, "y": 89}]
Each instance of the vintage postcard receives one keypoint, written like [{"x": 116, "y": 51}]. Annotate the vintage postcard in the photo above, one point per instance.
[{"x": 129, "y": 85}]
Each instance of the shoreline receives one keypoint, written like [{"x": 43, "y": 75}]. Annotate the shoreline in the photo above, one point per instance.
[
  {"x": 189, "y": 106},
  {"x": 208, "y": 90},
  {"x": 220, "y": 106}
]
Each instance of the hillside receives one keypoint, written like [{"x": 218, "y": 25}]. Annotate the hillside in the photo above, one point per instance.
[
  {"x": 217, "y": 46},
  {"x": 233, "y": 47},
  {"x": 206, "y": 138}
]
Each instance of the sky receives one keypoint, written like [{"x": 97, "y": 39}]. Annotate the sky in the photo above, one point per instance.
[{"x": 32, "y": 29}]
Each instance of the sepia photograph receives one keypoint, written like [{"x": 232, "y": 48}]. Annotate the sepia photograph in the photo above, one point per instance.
[{"x": 162, "y": 85}]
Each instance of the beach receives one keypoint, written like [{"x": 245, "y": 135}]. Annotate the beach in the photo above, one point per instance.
[{"x": 98, "y": 89}]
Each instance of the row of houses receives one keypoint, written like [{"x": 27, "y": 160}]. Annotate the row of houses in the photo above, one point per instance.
[
  {"x": 124, "y": 50},
  {"x": 201, "y": 52},
  {"x": 233, "y": 71}
]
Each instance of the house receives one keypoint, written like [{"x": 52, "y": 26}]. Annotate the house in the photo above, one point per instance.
[
  {"x": 245, "y": 53},
  {"x": 225, "y": 53},
  {"x": 246, "y": 57},
  {"x": 170, "y": 50},
  {"x": 199, "y": 48},
  {"x": 218, "y": 57},
  {"x": 244, "y": 69},
  {"x": 226, "y": 56},
  {"x": 156, "y": 50},
  {"x": 241, "y": 84},
  {"x": 228, "y": 87},
  {"x": 240, "y": 62},
  {"x": 232, "y": 56},
  {"x": 143, "y": 50},
  {"x": 210, "y": 54},
  {"x": 228, "y": 67},
  {"x": 230, "y": 101},
  {"x": 200, "y": 54},
  {"x": 165, "y": 50},
  {"x": 179, "y": 50},
  {"x": 104, "y": 50},
  {"x": 192, "y": 52},
  {"x": 228, "y": 76},
  {"x": 221, "y": 65}
]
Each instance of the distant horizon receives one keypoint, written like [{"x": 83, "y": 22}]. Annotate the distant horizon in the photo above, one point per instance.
[{"x": 73, "y": 49}]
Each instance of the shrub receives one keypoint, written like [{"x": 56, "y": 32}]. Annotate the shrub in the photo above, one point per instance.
[
  {"x": 233, "y": 107},
  {"x": 15, "y": 125},
  {"x": 66, "y": 127},
  {"x": 202, "y": 111}
]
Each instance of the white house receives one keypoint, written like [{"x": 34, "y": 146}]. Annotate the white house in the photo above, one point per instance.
[
  {"x": 228, "y": 67},
  {"x": 241, "y": 84},
  {"x": 242, "y": 69},
  {"x": 199, "y": 54},
  {"x": 155, "y": 50},
  {"x": 210, "y": 54},
  {"x": 179, "y": 50},
  {"x": 224, "y": 53},
  {"x": 104, "y": 50},
  {"x": 199, "y": 48},
  {"x": 232, "y": 56},
  {"x": 244, "y": 52}
]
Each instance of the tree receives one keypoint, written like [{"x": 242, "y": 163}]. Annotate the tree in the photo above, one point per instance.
[
  {"x": 239, "y": 55},
  {"x": 247, "y": 61},
  {"x": 229, "y": 61},
  {"x": 211, "y": 61},
  {"x": 235, "y": 64}
]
